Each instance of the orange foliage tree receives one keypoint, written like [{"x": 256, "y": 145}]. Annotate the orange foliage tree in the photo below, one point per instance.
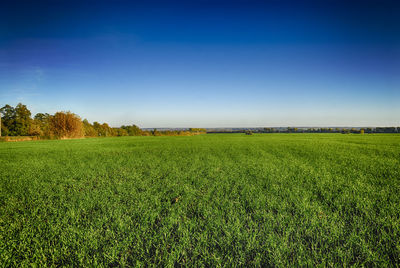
[{"x": 66, "y": 125}]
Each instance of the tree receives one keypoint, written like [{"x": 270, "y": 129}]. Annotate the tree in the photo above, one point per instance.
[
  {"x": 8, "y": 120},
  {"x": 43, "y": 121},
  {"x": 133, "y": 130},
  {"x": 4, "y": 129},
  {"x": 120, "y": 132},
  {"x": 197, "y": 130},
  {"x": 103, "y": 130},
  {"x": 66, "y": 125},
  {"x": 88, "y": 129},
  {"x": 98, "y": 129},
  {"x": 155, "y": 132},
  {"x": 35, "y": 129},
  {"x": 107, "y": 130},
  {"x": 22, "y": 120},
  {"x": 42, "y": 118},
  {"x": 15, "y": 121}
]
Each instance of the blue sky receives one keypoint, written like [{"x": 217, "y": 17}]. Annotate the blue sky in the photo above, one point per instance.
[{"x": 205, "y": 63}]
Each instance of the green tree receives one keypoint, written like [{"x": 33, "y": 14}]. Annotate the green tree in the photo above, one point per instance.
[
  {"x": 15, "y": 121},
  {"x": 42, "y": 118},
  {"x": 98, "y": 129},
  {"x": 22, "y": 120},
  {"x": 108, "y": 132},
  {"x": 43, "y": 121},
  {"x": 89, "y": 129},
  {"x": 7, "y": 120},
  {"x": 103, "y": 130},
  {"x": 120, "y": 132},
  {"x": 133, "y": 130}
]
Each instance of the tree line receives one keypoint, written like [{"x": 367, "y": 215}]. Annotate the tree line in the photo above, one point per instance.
[
  {"x": 18, "y": 121},
  {"x": 334, "y": 130}
]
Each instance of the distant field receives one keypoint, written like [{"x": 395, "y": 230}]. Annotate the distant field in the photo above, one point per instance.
[{"x": 227, "y": 199}]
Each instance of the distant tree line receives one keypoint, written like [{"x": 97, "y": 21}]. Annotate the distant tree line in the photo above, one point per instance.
[
  {"x": 333, "y": 130},
  {"x": 343, "y": 130},
  {"x": 18, "y": 121}
]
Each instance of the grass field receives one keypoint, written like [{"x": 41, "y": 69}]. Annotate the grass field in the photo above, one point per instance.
[{"x": 228, "y": 199}]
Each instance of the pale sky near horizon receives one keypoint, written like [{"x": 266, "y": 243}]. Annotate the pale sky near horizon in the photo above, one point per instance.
[{"x": 205, "y": 63}]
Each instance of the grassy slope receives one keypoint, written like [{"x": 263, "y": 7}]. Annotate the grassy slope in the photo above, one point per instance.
[{"x": 277, "y": 199}]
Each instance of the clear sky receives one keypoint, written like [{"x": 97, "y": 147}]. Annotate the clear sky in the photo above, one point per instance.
[{"x": 205, "y": 63}]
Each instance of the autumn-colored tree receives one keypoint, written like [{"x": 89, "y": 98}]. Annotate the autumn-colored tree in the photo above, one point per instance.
[
  {"x": 66, "y": 125},
  {"x": 35, "y": 129},
  {"x": 198, "y": 130}
]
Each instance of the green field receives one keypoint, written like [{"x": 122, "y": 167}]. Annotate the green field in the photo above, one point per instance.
[{"x": 208, "y": 200}]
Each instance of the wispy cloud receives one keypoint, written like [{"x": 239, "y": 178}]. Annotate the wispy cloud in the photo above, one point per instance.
[
  {"x": 27, "y": 84},
  {"x": 38, "y": 74},
  {"x": 34, "y": 74}
]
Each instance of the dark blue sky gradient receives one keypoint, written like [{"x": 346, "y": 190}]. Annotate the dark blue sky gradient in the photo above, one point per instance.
[{"x": 205, "y": 63}]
